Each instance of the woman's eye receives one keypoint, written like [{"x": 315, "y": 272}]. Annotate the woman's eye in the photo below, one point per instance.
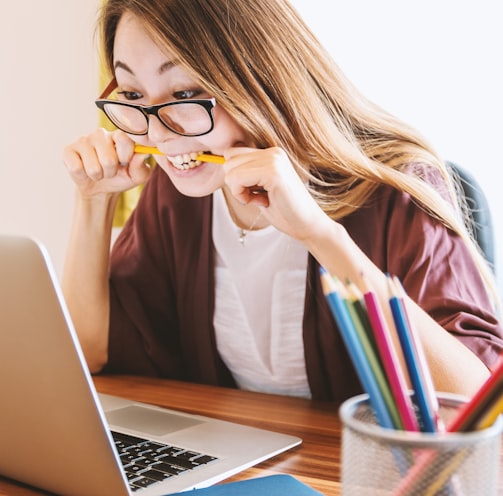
[
  {"x": 186, "y": 94},
  {"x": 130, "y": 95}
]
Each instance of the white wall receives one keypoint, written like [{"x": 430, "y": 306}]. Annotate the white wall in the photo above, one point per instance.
[
  {"x": 47, "y": 87},
  {"x": 436, "y": 64}
]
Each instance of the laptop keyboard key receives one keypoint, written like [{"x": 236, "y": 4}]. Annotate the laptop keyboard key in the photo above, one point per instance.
[{"x": 156, "y": 475}]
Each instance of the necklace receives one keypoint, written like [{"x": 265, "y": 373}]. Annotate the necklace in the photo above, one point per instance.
[{"x": 242, "y": 233}]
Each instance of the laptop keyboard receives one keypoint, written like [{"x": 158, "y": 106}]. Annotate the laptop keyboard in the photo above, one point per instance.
[{"x": 147, "y": 462}]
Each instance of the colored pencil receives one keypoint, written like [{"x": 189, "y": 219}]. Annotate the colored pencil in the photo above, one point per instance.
[
  {"x": 424, "y": 394},
  {"x": 356, "y": 296},
  {"x": 480, "y": 412},
  {"x": 389, "y": 356},
  {"x": 475, "y": 412},
  {"x": 430, "y": 392},
  {"x": 362, "y": 367},
  {"x": 358, "y": 315},
  {"x": 491, "y": 415},
  {"x": 443, "y": 469}
]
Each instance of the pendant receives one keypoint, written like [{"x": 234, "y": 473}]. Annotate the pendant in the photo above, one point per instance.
[{"x": 241, "y": 236}]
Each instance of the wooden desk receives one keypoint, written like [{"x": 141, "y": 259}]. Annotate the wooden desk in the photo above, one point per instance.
[{"x": 316, "y": 462}]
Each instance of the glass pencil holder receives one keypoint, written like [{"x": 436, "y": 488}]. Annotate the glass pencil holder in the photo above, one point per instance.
[{"x": 378, "y": 461}]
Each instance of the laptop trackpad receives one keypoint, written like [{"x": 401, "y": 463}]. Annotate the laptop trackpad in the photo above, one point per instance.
[{"x": 150, "y": 421}]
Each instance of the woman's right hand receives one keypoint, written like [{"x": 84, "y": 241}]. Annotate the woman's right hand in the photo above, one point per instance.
[{"x": 104, "y": 162}]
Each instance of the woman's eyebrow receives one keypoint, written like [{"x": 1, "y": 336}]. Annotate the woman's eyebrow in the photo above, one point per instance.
[
  {"x": 121, "y": 65},
  {"x": 162, "y": 69},
  {"x": 166, "y": 66}
]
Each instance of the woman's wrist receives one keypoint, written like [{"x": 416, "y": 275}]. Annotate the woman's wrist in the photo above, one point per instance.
[{"x": 97, "y": 209}]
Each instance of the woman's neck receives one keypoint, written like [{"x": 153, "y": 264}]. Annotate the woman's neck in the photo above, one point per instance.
[{"x": 246, "y": 217}]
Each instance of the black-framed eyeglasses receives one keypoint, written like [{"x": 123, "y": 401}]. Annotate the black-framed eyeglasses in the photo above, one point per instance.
[{"x": 184, "y": 117}]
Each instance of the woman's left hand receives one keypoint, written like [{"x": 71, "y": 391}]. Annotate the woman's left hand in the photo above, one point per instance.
[{"x": 267, "y": 178}]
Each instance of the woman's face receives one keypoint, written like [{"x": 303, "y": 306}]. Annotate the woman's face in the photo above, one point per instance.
[{"x": 147, "y": 76}]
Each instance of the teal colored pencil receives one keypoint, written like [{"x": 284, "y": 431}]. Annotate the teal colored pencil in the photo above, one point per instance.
[{"x": 357, "y": 298}]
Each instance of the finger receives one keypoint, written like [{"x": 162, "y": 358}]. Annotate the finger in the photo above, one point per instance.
[
  {"x": 247, "y": 191},
  {"x": 124, "y": 147},
  {"x": 237, "y": 151},
  {"x": 139, "y": 170},
  {"x": 73, "y": 163},
  {"x": 84, "y": 159},
  {"x": 107, "y": 160},
  {"x": 245, "y": 175},
  {"x": 258, "y": 197}
]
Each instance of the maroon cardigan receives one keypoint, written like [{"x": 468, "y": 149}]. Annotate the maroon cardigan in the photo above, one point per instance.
[{"x": 162, "y": 289}]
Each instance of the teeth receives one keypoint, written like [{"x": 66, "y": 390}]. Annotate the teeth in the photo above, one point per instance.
[{"x": 185, "y": 161}]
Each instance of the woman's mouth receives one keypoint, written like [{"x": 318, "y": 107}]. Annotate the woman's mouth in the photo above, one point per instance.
[{"x": 185, "y": 161}]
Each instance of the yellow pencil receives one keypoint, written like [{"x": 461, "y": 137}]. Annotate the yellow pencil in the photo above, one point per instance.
[
  {"x": 206, "y": 157},
  {"x": 491, "y": 415},
  {"x": 147, "y": 149},
  {"x": 445, "y": 468},
  {"x": 203, "y": 157}
]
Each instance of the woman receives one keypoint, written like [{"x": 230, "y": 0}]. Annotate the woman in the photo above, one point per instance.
[{"x": 215, "y": 277}]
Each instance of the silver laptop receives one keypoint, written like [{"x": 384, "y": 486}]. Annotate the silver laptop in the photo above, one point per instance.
[{"x": 56, "y": 432}]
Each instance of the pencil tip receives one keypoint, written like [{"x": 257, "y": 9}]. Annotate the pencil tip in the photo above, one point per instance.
[
  {"x": 391, "y": 286},
  {"x": 327, "y": 282}
]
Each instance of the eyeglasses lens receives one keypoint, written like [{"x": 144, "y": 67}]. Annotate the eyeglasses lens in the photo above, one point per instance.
[
  {"x": 128, "y": 119},
  {"x": 188, "y": 118}
]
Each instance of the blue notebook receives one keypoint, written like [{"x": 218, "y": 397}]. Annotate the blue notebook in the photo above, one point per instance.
[{"x": 271, "y": 485}]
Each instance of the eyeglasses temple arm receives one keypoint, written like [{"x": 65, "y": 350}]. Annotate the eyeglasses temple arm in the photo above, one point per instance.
[{"x": 109, "y": 88}]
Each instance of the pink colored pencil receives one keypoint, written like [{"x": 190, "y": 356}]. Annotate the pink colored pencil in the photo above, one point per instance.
[{"x": 390, "y": 360}]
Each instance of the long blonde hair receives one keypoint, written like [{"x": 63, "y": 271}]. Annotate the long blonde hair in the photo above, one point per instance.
[{"x": 266, "y": 68}]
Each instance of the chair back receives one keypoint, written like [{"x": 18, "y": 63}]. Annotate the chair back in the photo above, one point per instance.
[{"x": 478, "y": 209}]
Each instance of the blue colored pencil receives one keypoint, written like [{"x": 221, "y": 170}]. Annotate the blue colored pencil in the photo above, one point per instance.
[
  {"x": 362, "y": 367},
  {"x": 416, "y": 366}
]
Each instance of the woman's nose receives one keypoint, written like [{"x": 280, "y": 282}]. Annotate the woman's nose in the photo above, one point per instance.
[{"x": 157, "y": 131}]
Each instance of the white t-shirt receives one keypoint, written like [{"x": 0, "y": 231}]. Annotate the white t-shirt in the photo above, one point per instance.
[{"x": 259, "y": 305}]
